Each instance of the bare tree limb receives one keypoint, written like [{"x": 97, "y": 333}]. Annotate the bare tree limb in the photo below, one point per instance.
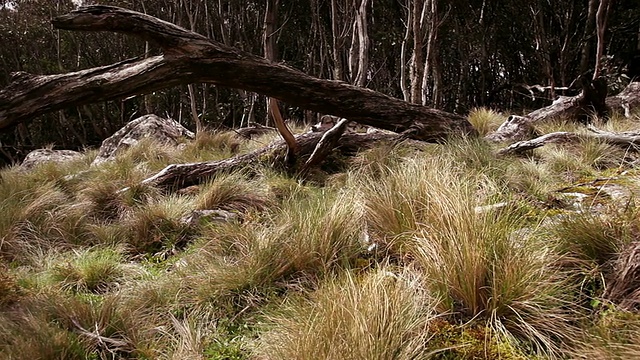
[
  {"x": 625, "y": 139},
  {"x": 592, "y": 101},
  {"x": 326, "y": 144},
  {"x": 178, "y": 176},
  {"x": 190, "y": 57}
]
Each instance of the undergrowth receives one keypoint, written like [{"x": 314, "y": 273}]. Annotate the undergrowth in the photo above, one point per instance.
[{"x": 441, "y": 251}]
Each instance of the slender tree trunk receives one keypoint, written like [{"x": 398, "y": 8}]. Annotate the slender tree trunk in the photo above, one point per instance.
[
  {"x": 336, "y": 43},
  {"x": 430, "y": 57},
  {"x": 148, "y": 106},
  {"x": 601, "y": 24},
  {"x": 437, "y": 82},
  {"x": 268, "y": 38},
  {"x": 406, "y": 92},
  {"x": 588, "y": 34},
  {"x": 363, "y": 44},
  {"x": 544, "y": 53},
  {"x": 270, "y": 53},
  {"x": 192, "y": 93},
  {"x": 417, "y": 61}
]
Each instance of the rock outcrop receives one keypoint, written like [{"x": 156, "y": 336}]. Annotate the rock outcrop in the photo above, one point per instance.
[
  {"x": 163, "y": 130},
  {"x": 42, "y": 156}
]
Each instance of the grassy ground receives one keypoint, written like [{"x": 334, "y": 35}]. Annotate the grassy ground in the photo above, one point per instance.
[{"x": 443, "y": 252}]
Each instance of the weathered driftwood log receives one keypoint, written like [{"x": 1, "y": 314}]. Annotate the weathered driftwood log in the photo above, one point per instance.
[
  {"x": 591, "y": 101},
  {"x": 178, "y": 176},
  {"x": 625, "y": 139},
  {"x": 189, "y": 57}
]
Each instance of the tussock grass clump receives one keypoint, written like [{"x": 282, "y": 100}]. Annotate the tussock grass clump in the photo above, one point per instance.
[
  {"x": 101, "y": 199},
  {"x": 600, "y": 155},
  {"x": 485, "y": 120},
  {"x": 227, "y": 142},
  {"x": 488, "y": 266},
  {"x": 483, "y": 264},
  {"x": 146, "y": 156},
  {"x": 94, "y": 270},
  {"x": 35, "y": 218},
  {"x": 624, "y": 282},
  {"x": 473, "y": 156},
  {"x": 485, "y": 268},
  {"x": 156, "y": 227},
  {"x": 596, "y": 237},
  {"x": 231, "y": 192},
  {"x": 91, "y": 327},
  {"x": 9, "y": 290},
  {"x": 378, "y": 315},
  {"x": 308, "y": 240},
  {"x": 530, "y": 179},
  {"x": 283, "y": 188},
  {"x": 559, "y": 124},
  {"x": 614, "y": 334},
  {"x": 189, "y": 336},
  {"x": 563, "y": 162},
  {"x": 399, "y": 202},
  {"x": 34, "y": 337},
  {"x": 212, "y": 145},
  {"x": 379, "y": 160}
]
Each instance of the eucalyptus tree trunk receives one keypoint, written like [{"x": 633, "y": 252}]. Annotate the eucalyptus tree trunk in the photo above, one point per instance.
[
  {"x": 337, "y": 43},
  {"x": 406, "y": 92},
  {"x": 542, "y": 44},
  {"x": 588, "y": 33},
  {"x": 192, "y": 14},
  {"x": 359, "y": 51},
  {"x": 432, "y": 47},
  {"x": 601, "y": 26},
  {"x": 417, "y": 62}
]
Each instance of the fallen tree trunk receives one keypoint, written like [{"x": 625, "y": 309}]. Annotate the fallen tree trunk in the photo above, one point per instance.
[
  {"x": 630, "y": 140},
  {"x": 592, "y": 101},
  {"x": 177, "y": 176},
  {"x": 189, "y": 57}
]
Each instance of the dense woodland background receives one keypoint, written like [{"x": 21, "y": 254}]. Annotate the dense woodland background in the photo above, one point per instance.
[{"x": 452, "y": 55}]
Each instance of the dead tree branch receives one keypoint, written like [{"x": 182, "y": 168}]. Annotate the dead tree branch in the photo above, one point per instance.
[
  {"x": 189, "y": 57},
  {"x": 178, "y": 176}
]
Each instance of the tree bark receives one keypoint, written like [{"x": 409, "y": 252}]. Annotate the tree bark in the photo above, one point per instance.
[
  {"x": 189, "y": 57},
  {"x": 601, "y": 26},
  {"x": 432, "y": 50},
  {"x": 626, "y": 140},
  {"x": 416, "y": 59},
  {"x": 592, "y": 101},
  {"x": 179, "y": 176},
  {"x": 406, "y": 92}
]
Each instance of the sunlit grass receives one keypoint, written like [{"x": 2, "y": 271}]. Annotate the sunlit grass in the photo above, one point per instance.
[
  {"x": 231, "y": 192},
  {"x": 485, "y": 120},
  {"x": 380, "y": 315},
  {"x": 414, "y": 251},
  {"x": 306, "y": 241},
  {"x": 484, "y": 265},
  {"x": 94, "y": 270}
]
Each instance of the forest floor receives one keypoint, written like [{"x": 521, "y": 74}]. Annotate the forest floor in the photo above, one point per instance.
[{"x": 449, "y": 251}]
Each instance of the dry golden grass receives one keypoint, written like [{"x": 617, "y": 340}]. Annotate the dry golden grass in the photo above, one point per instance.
[
  {"x": 379, "y": 315},
  {"x": 414, "y": 252}
]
